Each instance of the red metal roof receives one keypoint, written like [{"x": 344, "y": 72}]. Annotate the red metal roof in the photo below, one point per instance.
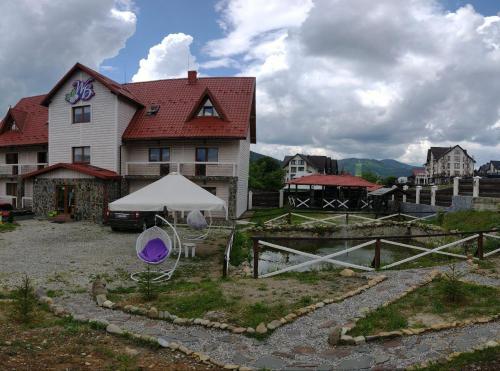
[
  {"x": 233, "y": 96},
  {"x": 31, "y": 119},
  {"x": 335, "y": 181},
  {"x": 80, "y": 168},
  {"x": 177, "y": 99}
]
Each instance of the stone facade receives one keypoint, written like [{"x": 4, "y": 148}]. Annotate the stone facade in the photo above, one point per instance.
[{"x": 92, "y": 196}]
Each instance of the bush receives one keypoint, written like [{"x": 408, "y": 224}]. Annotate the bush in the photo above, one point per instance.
[
  {"x": 24, "y": 301},
  {"x": 451, "y": 287},
  {"x": 240, "y": 251},
  {"x": 147, "y": 286}
]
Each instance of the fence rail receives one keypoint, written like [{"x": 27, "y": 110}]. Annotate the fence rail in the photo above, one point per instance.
[{"x": 377, "y": 241}]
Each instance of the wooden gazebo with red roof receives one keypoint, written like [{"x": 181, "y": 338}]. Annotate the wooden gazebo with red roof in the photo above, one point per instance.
[{"x": 345, "y": 191}]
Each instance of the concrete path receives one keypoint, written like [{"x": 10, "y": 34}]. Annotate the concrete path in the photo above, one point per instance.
[{"x": 303, "y": 343}]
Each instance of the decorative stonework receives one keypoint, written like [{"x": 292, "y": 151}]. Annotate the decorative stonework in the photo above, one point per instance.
[
  {"x": 261, "y": 329},
  {"x": 92, "y": 196},
  {"x": 346, "y": 339}
]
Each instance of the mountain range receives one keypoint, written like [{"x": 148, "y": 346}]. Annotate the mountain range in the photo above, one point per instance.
[{"x": 383, "y": 168}]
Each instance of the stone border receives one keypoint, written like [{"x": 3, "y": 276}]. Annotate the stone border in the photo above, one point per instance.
[
  {"x": 345, "y": 339},
  {"x": 261, "y": 329},
  {"x": 450, "y": 357},
  {"x": 113, "y": 329}
]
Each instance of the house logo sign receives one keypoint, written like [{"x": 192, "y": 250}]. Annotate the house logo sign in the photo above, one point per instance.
[{"x": 82, "y": 91}]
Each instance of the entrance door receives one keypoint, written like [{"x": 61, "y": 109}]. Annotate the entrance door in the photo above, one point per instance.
[{"x": 65, "y": 199}]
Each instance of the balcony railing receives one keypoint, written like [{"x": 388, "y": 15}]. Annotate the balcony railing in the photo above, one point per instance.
[
  {"x": 19, "y": 169},
  {"x": 192, "y": 168}
]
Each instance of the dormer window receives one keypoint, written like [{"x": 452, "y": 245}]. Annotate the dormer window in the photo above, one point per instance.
[
  {"x": 153, "y": 109},
  {"x": 208, "y": 109},
  {"x": 13, "y": 126}
]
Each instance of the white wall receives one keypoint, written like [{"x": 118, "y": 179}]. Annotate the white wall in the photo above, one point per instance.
[
  {"x": 100, "y": 134},
  {"x": 243, "y": 174}
]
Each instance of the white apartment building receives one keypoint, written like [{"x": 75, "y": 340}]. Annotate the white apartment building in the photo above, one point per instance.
[
  {"x": 300, "y": 165},
  {"x": 444, "y": 163}
]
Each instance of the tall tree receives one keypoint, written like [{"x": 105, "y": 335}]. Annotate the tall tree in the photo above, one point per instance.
[{"x": 266, "y": 174}]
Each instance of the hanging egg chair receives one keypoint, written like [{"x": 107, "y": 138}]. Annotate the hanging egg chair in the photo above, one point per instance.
[{"x": 153, "y": 247}]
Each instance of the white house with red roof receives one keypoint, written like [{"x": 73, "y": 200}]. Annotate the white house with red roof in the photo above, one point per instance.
[{"x": 91, "y": 140}]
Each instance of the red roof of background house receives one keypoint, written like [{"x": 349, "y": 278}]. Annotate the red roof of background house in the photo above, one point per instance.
[
  {"x": 234, "y": 98},
  {"x": 80, "y": 168},
  {"x": 418, "y": 171},
  {"x": 31, "y": 119},
  {"x": 335, "y": 181},
  {"x": 178, "y": 99}
]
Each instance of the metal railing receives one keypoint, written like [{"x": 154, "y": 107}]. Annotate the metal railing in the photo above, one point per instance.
[
  {"x": 227, "y": 254},
  {"x": 187, "y": 168},
  {"x": 19, "y": 169}
]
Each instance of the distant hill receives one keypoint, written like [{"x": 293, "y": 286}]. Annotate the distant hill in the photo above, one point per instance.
[
  {"x": 254, "y": 156},
  {"x": 382, "y": 168}
]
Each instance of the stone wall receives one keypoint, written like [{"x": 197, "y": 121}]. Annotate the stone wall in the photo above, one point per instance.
[
  {"x": 91, "y": 195},
  {"x": 486, "y": 203}
]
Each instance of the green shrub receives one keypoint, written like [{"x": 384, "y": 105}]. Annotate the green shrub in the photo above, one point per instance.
[
  {"x": 147, "y": 286},
  {"x": 24, "y": 301},
  {"x": 451, "y": 287},
  {"x": 240, "y": 252}
]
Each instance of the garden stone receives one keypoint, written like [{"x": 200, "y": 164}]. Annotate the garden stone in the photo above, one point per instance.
[
  {"x": 334, "y": 336},
  {"x": 99, "y": 288},
  {"x": 261, "y": 328},
  {"x": 164, "y": 343},
  {"x": 274, "y": 324},
  {"x": 108, "y": 304},
  {"x": 131, "y": 352},
  {"x": 347, "y": 272},
  {"x": 359, "y": 340},
  {"x": 114, "y": 329},
  {"x": 153, "y": 312},
  {"x": 356, "y": 363},
  {"x": 100, "y": 299},
  {"x": 239, "y": 330}
]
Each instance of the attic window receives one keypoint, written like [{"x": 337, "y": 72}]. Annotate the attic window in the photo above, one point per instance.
[
  {"x": 13, "y": 126},
  {"x": 208, "y": 109},
  {"x": 153, "y": 109}
]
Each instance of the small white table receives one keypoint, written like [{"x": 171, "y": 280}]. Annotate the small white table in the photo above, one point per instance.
[{"x": 187, "y": 246}]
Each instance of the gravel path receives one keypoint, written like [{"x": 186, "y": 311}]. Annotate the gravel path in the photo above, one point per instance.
[{"x": 303, "y": 343}]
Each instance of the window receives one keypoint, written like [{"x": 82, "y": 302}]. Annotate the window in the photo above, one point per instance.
[
  {"x": 11, "y": 159},
  {"x": 301, "y": 162},
  {"x": 301, "y": 168},
  {"x": 41, "y": 158},
  {"x": 293, "y": 169},
  {"x": 457, "y": 165},
  {"x": 208, "y": 109},
  {"x": 159, "y": 154},
  {"x": 81, "y": 155},
  {"x": 205, "y": 155},
  {"x": 212, "y": 190},
  {"x": 293, "y": 162},
  {"x": 81, "y": 114}
]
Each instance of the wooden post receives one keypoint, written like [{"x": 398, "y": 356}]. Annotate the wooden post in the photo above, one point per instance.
[
  {"x": 224, "y": 267},
  {"x": 289, "y": 217},
  {"x": 256, "y": 249},
  {"x": 376, "y": 258},
  {"x": 346, "y": 218},
  {"x": 479, "y": 251}
]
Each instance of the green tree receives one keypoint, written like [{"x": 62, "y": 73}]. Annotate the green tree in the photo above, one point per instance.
[
  {"x": 371, "y": 177},
  {"x": 390, "y": 181},
  {"x": 266, "y": 174}
]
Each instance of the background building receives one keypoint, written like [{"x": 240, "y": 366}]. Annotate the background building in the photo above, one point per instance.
[
  {"x": 444, "y": 163},
  {"x": 300, "y": 165}
]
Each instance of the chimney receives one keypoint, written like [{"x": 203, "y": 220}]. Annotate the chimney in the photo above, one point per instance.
[{"x": 192, "y": 77}]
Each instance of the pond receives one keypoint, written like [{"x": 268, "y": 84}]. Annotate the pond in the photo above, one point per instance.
[{"x": 272, "y": 259}]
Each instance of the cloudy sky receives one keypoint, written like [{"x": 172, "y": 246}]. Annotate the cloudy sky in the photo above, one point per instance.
[{"x": 347, "y": 78}]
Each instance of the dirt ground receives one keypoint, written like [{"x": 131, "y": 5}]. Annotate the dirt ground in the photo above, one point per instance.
[{"x": 54, "y": 344}]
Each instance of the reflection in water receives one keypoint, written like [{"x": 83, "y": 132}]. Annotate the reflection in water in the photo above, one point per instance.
[{"x": 272, "y": 259}]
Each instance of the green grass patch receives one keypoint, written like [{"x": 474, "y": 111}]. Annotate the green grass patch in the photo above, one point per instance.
[
  {"x": 7, "y": 227},
  {"x": 241, "y": 250},
  {"x": 431, "y": 298},
  {"x": 488, "y": 358},
  {"x": 469, "y": 220}
]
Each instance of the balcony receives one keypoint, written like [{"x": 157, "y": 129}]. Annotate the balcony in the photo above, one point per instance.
[
  {"x": 10, "y": 170},
  {"x": 193, "y": 168}
]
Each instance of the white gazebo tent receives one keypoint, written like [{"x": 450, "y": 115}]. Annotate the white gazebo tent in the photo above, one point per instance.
[{"x": 174, "y": 193}]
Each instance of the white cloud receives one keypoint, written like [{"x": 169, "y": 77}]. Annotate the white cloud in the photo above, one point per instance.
[
  {"x": 381, "y": 79},
  {"x": 41, "y": 39},
  {"x": 167, "y": 59}
]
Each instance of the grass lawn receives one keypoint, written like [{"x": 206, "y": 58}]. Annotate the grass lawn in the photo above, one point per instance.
[
  {"x": 55, "y": 343},
  {"x": 486, "y": 359},
  {"x": 429, "y": 303},
  {"x": 7, "y": 227},
  {"x": 242, "y": 302},
  {"x": 469, "y": 220}
]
